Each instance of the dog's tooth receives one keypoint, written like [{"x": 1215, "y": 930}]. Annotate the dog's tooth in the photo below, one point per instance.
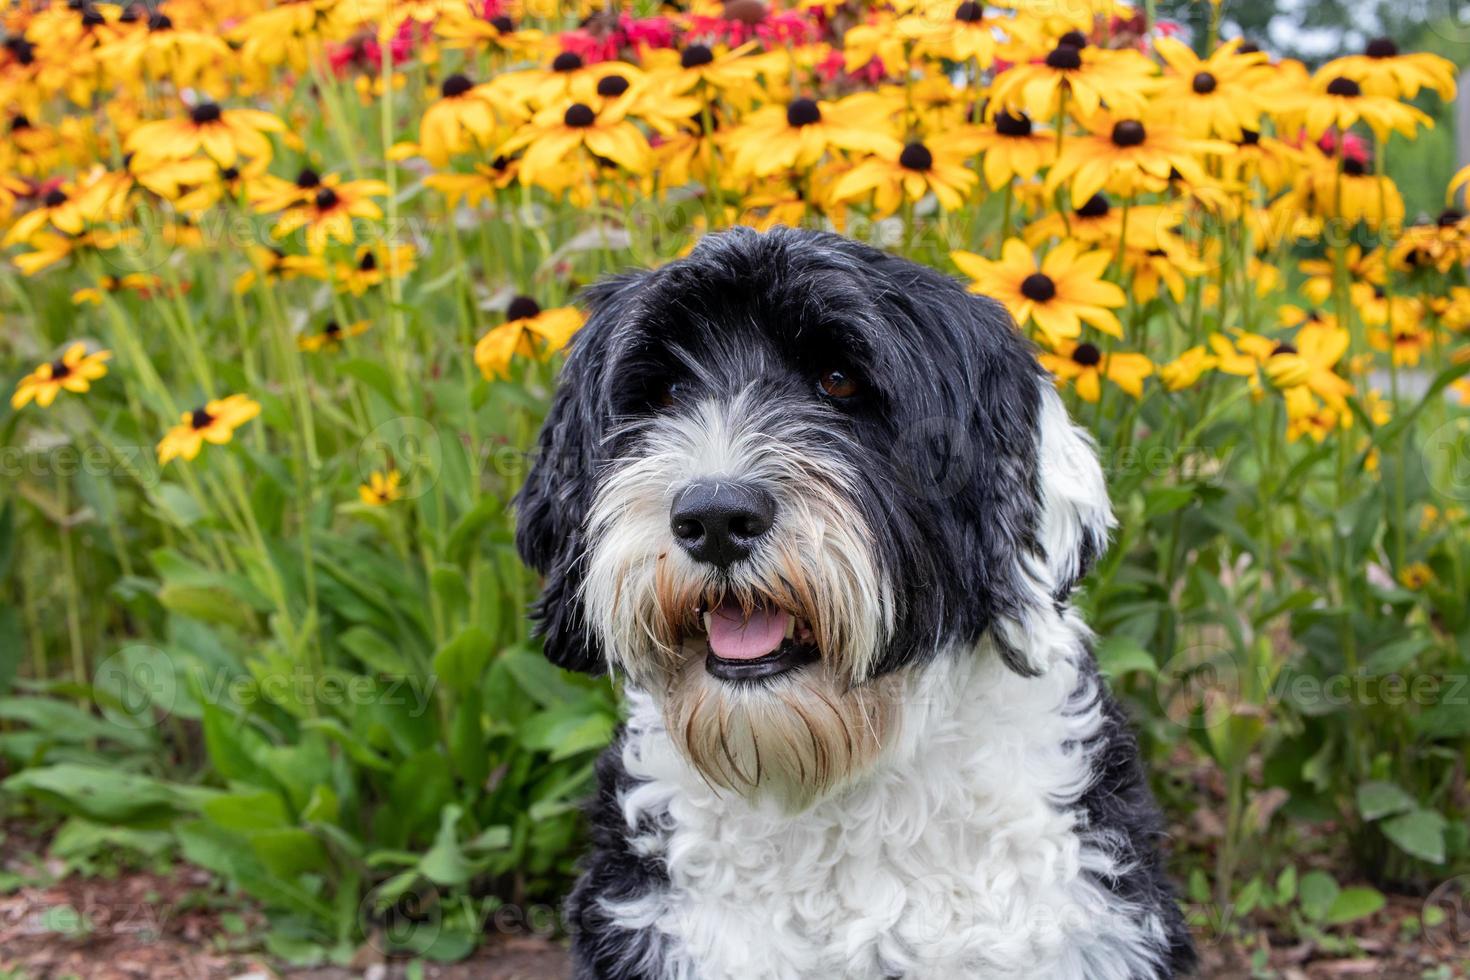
[
  {"x": 706, "y": 624},
  {"x": 790, "y": 627}
]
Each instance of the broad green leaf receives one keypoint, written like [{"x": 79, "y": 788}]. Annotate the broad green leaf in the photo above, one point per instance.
[
  {"x": 1317, "y": 891},
  {"x": 445, "y": 863},
  {"x": 1420, "y": 833},
  {"x": 1393, "y": 657},
  {"x": 1382, "y": 799},
  {"x": 1352, "y": 904},
  {"x": 461, "y": 662},
  {"x": 1119, "y": 655}
]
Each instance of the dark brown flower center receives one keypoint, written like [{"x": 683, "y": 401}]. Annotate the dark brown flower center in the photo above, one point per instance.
[
  {"x": 1087, "y": 355},
  {"x": 1128, "y": 132},
  {"x": 308, "y": 178},
  {"x": 522, "y": 308},
  {"x": 1064, "y": 57},
  {"x": 1449, "y": 217},
  {"x": 970, "y": 12},
  {"x": 456, "y": 85},
  {"x": 333, "y": 329},
  {"x": 1038, "y": 288},
  {"x": 160, "y": 22},
  {"x": 201, "y": 419},
  {"x": 1073, "y": 39},
  {"x": 579, "y": 116},
  {"x": 1381, "y": 47},
  {"x": 19, "y": 121},
  {"x": 205, "y": 113},
  {"x": 916, "y": 156},
  {"x": 1249, "y": 47},
  {"x": 229, "y": 173},
  {"x": 1096, "y": 207},
  {"x": 803, "y": 112},
  {"x": 21, "y": 50},
  {"x": 1204, "y": 83},
  {"x": 1009, "y": 125},
  {"x": 567, "y": 61},
  {"x": 1249, "y": 137},
  {"x": 1345, "y": 87},
  {"x": 696, "y": 55},
  {"x": 1354, "y": 168},
  {"x": 369, "y": 262},
  {"x": 54, "y": 198},
  {"x": 60, "y": 370},
  {"x": 327, "y": 199},
  {"x": 503, "y": 24},
  {"x": 1282, "y": 348},
  {"x": 611, "y": 86}
]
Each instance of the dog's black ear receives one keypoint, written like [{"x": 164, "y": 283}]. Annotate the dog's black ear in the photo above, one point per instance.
[{"x": 552, "y": 506}]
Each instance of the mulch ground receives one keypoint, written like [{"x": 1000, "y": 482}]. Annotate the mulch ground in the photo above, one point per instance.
[{"x": 177, "y": 925}]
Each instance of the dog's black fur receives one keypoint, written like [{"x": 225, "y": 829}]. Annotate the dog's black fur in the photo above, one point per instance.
[{"x": 951, "y": 400}]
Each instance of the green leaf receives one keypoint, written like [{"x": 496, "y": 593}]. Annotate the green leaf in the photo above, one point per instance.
[
  {"x": 1352, "y": 904},
  {"x": 248, "y": 811},
  {"x": 374, "y": 652},
  {"x": 1393, "y": 657},
  {"x": 1382, "y": 799},
  {"x": 1120, "y": 655},
  {"x": 445, "y": 863},
  {"x": 1317, "y": 891},
  {"x": 1420, "y": 833},
  {"x": 461, "y": 662},
  {"x": 1286, "y": 884},
  {"x": 107, "y": 795}
]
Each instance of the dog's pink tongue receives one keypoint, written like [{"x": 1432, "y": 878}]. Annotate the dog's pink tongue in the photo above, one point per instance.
[{"x": 734, "y": 637}]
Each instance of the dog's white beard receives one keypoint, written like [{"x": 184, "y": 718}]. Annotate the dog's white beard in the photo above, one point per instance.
[{"x": 795, "y": 736}]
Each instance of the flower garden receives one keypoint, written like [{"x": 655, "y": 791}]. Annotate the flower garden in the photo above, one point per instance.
[{"x": 284, "y": 290}]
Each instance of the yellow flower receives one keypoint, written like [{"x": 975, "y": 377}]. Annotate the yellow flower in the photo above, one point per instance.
[
  {"x": 1186, "y": 369},
  {"x": 373, "y": 266},
  {"x": 67, "y": 207},
  {"x": 1415, "y": 576},
  {"x": 796, "y": 136},
  {"x": 1381, "y": 70},
  {"x": 1085, "y": 366},
  {"x": 381, "y": 489},
  {"x": 1058, "y": 294},
  {"x": 557, "y": 130},
  {"x": 918, "y": 169},
  {"x": 1365, "y": 271},
  {"x": 142, "y": 283},
  {"x": 331, "y": 336},
  {"x": 74, "y": 371},
  {"x": 1336, "y": 100},
  {"x": 276, "y": 266},
  {"x": 1087, "y": 75},
  {"x": 224, "y": 135},
  {"x": 1011, "y": 147},
  {"x": 1216, "y": 96},
  {"x": 329, "y": 214},
  {"x": 1126, "y": 156},
  {"x": 463, "y": 119},
  {"x": 528, "y": 331},
  {"x": 216, "y": 423},
  {"x": 477, "y": 187}
]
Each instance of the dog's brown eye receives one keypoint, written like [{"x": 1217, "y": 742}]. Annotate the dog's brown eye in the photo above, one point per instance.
[
  {"x": 670, "y": 393},
  {"x": 838, "y": 384}
]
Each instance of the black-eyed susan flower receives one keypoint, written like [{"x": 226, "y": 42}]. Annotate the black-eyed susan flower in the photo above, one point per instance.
[
  {"x": 1128, "y": 157},
  {"x": 328, "y": 216},
  {"x": 1214, "y": 96},
  {"x": 1085, "y": 366},
  {"x": 1365, "y": 270},
  {"x": 381, "y": 489},
  {"x": 165, "y": 50},
  {"x": 528, "y": 331},
  {"x": 143, "y": 284},
  {"x": 705, "y": 69},
  {"x": 1186, "y": 369},
  {"x": 1058, "y": 294},
  {"x": 1416, "y": 575},
  {"x": 463, "y": 119},
  {"x": 477, "y": 187},
  {"x": 556, "y": 131},
  {"x": 1011, "y": 148},
  {"x": 73, "y": 371},
  {"x": 1385, "y": 71},
  {"x": 215, "y": 423},
  {"x": 67, "y": 207},
  {"x": 1319, "y": 346},
  {"x": 331, "y": 335},
  {"x": 964, "y": 30},
  {"x": 1084, "y": 75},
  {"x": 796, "y": 136},
  {"x": 224, "y": 135},
  {"x": 919, "y": 168},
  {"x": 1346, "y": 190},
  {"x": 372, "y": 266},
  {"x": 275, "y": 265},
  {"x": 1339, "y": 101}
]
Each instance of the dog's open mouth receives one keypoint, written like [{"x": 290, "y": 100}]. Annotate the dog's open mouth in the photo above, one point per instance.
[{"x": 754, "y": 643}]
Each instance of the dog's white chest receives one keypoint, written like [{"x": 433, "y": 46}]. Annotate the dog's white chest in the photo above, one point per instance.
[{"x": 952, "y": 860}]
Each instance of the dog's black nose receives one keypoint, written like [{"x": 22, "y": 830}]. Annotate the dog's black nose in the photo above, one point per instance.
[{"x": 718, "y": 521}]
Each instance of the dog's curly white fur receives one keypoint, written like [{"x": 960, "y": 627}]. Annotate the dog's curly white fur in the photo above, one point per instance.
[{"x": 924, "y": 777}]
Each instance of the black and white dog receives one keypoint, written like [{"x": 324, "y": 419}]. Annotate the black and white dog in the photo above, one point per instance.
[{"x": 822, "y": 510}]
